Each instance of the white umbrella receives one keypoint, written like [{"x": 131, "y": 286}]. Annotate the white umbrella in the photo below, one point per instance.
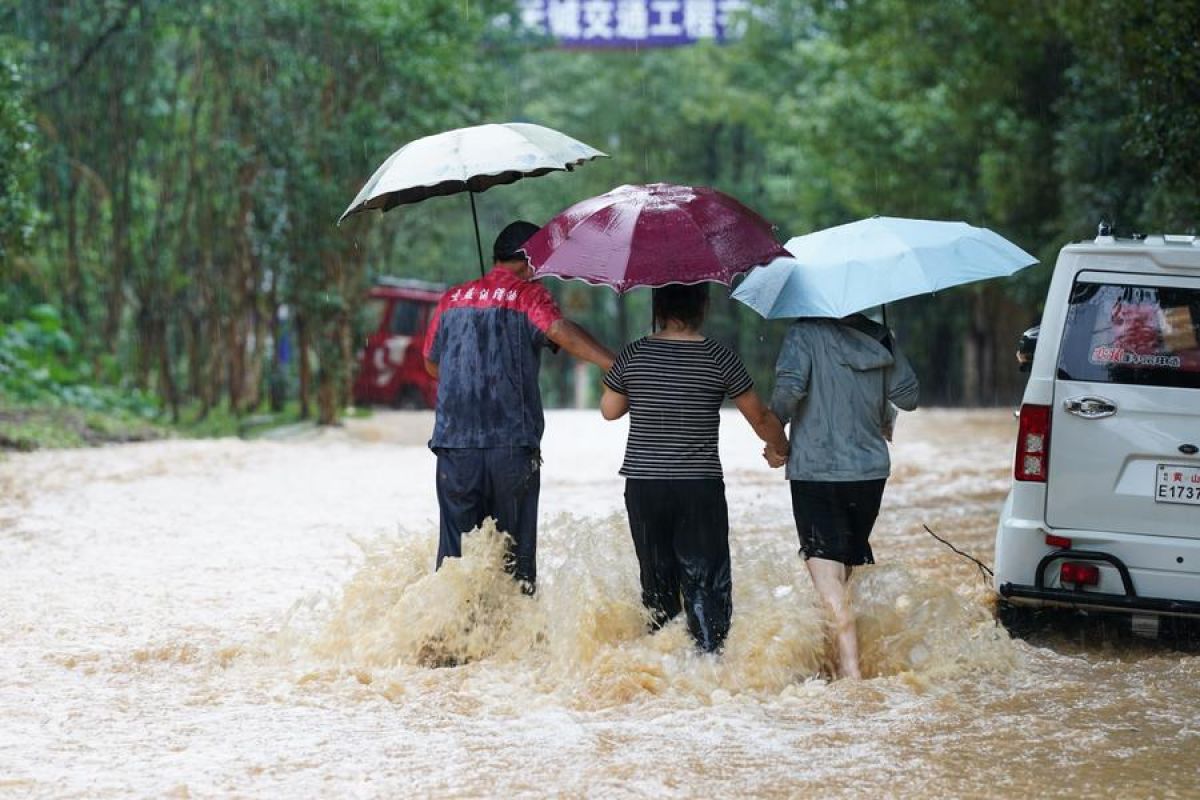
[
  {"x": 469, "y": 160},
  {"x": 848, "y": 268}
]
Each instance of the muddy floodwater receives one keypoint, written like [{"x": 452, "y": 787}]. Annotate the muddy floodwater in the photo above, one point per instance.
[{"x": 230, "y": 618}]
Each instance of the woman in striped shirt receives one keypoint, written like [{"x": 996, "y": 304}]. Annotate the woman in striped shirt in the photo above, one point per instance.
[{"x": 672, "y": 383}]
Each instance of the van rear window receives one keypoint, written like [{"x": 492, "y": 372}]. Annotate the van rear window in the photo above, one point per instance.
[{"x": 1145, "y": 335}]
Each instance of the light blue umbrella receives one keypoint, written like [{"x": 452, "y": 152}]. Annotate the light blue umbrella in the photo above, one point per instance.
[{"x": 838, "y": 271}]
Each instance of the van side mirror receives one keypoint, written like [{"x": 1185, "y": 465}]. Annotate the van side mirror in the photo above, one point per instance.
[{"x": 1025, "y": 347}]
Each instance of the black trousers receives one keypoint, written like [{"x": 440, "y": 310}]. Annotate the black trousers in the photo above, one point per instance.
[
  {"x": 681, "y": 534},
  {"x": 499, "y": 482}
]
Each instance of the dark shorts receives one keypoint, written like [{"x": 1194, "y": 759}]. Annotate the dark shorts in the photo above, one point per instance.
[{"x": 834, "y": 519}]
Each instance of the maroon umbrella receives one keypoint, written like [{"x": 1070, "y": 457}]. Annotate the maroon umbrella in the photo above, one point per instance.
[{"x": 653, "y": 235}]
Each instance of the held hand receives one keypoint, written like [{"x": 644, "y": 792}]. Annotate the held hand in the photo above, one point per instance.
[
  {"x": 888, "y": 425},
  {"x": 774, "y": 458}
]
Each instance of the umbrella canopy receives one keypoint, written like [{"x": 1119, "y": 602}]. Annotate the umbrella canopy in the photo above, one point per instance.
[
  {"x": 652, "y": 235},
  {"x": 468, "y": 160},
  {"x": 848, "y": 268}
]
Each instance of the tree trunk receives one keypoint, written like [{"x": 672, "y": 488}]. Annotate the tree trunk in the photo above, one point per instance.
[
  {"x": 1007, "y": 319},
  {"x": 346, "y": 378},
  {"x": 74, "y": 284},
  {"x": 302, "y": 361},
  {"x": 276, "y": 386},
  {"x": 326, "y": 395},
  {"x": 256, "y": 358},
  {"x": 122, "y": 214},
  {"x": 191, "y": 343},
  {"x": 944, "y": 389},
  {"x": 244, "y": 288},
  {"x": 214, "y": 364},
  {"x": 166, "y": 376},
  {"x": 236, "y": 343},
  {"x": 974, "y": 368},
  {"x": 144, "y": 347}
]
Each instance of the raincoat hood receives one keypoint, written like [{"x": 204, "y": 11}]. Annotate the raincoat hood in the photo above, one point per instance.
[{"x": 859, "y": 349}]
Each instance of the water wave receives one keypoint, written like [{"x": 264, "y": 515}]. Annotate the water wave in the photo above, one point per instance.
[{"x": 584, "y": 635}]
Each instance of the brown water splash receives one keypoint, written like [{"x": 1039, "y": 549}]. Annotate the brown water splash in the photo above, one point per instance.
[{"x": 584, "y": 637}]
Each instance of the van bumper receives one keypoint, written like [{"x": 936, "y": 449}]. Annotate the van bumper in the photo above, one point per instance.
[
  {"x": 1095, "y": 601},
  {"x": 1042, "y": 595}
]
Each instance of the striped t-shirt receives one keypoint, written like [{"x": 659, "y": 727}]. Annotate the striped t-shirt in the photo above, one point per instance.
[{"x": 675, "y": 389}]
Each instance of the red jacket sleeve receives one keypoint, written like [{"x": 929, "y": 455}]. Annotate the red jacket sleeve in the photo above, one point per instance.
[{"x": 538, "y": 304}]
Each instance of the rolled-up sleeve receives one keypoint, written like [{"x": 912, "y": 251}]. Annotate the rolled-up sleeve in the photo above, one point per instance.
[{"x": 792, "y": 371}]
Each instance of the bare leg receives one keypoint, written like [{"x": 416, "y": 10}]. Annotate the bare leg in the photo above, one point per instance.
[{"x": 829, "y": 579}]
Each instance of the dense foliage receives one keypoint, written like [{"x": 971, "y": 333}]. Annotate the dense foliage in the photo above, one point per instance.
[
  {"x": 190, "y": 158},
  {"x": 18, "y": 157},
  {"x": 41, "y": 365}
]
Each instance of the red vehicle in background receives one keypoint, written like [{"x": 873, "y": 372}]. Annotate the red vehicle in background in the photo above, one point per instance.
[{"x": 391, "y": 369}]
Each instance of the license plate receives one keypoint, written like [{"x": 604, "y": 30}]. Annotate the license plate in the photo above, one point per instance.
[{"x": 1177, "y": 484}]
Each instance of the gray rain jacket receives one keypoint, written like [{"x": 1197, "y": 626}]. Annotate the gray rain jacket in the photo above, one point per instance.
[{"x": 830, "y": 382}]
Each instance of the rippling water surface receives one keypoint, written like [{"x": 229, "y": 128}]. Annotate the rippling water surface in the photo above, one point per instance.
[{"x": 193, "y": 619}]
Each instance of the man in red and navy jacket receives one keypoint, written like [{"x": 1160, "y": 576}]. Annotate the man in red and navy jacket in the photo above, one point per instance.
[{"x": 484, "y": 347}]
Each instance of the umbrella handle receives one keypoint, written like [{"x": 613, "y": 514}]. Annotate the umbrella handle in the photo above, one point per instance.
[
  {"x": 883, "y": 409},
  {"x": 478, "y": 243}
]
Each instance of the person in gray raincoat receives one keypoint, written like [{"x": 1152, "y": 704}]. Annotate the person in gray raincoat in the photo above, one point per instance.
[{"x": 837, "y": 384}]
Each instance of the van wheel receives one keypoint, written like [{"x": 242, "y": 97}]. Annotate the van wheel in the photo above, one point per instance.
[
  {"x": 409, "y": 399},
  {"x": 1019, "y": 621}
]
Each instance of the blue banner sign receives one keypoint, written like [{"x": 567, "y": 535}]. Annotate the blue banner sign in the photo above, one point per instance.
[{"x": 634, "y": 23}]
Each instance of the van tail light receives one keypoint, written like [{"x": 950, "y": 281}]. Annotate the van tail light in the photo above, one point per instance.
[
  {"x": 1061, "y": 542},
  {"x": 1033, "y": 444},
  {"x": 1079, "y": 574}
]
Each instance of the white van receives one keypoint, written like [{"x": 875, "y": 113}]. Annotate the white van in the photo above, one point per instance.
[{"x": 1104, "y": 510}]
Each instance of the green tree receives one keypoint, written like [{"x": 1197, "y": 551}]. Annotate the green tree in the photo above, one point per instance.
[
  {"x": 198, "y": 154},
  {"x": 18, "y": 160},
  {"x": 189, "y": 160}
]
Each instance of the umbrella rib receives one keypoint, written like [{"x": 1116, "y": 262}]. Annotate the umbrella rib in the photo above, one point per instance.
[
  {"x": 628, "y": 254},
  {"x": 704, "y": 237},
  {"x": 779, "y": 295}
]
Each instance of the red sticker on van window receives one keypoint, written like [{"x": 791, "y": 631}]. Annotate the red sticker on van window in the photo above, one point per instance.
[{"x": 1119, "y": 355}]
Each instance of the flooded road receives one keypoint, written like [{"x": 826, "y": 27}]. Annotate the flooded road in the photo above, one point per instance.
[{"x": 214, "y": 618}]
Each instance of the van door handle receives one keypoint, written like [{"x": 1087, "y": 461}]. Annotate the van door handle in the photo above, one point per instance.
[{"x": 1090, "y": 407}]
